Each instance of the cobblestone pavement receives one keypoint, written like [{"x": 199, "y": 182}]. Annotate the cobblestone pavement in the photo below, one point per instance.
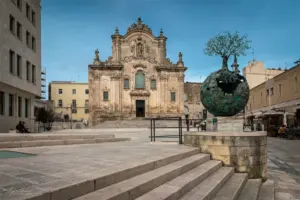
[{"x": 284, "y": 167}]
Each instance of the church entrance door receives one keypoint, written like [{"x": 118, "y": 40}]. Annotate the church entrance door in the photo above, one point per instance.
[{"x": 140, "y": 108}]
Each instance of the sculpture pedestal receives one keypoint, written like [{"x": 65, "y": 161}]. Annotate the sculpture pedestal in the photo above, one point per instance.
[
  {"x": 245, "y": 151},
  {"x": 224, "y": 124}
]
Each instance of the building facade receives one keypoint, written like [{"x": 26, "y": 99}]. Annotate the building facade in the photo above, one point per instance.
[
  {"x": 138, "y": 80},
  {"x": 69, "y": 98},
  {"x": 20, "y": 61},
  {"x": 255, "y": 73},
  {"x": 277, "y": 99}
]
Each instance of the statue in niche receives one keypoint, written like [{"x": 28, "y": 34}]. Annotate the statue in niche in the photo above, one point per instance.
[{"x": 139, "y": 50}]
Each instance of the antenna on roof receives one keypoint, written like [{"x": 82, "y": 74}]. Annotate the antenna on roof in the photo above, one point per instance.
[{"x": 253, "y": 54}]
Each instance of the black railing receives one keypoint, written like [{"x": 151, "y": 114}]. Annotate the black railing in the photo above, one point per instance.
[
  {"x": 153, "y": 128},
  {"x": 181, "y": 122}
]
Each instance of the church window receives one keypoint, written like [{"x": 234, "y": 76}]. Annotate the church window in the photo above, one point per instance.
[
  {"x": 173, "y": 96},
  {"x": 153, "y": 84},
  {"x": 126, "y": 83},
  {"x": 185, "y": 97},
  {"x": 105, "y": 96},
  {"x": 139, "y": 80}
]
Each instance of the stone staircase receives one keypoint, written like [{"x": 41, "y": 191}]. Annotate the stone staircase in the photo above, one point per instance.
[
  {"x": 192, "y": 177},
  {"x": 35, "y": 140},
  {"x": 138, "y": 123}
]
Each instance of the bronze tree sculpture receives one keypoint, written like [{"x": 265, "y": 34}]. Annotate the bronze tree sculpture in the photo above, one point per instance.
[{"x": 225, "y": 92}]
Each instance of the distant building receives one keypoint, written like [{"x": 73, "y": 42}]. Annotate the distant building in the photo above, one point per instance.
[
  {"x": 70, "y": 98},
  {"x": 255, "y": 73},
  {"x": 20, "y": 61},
  {"x": 192, "y": 102},
  {"x": 277, "y": 100}
]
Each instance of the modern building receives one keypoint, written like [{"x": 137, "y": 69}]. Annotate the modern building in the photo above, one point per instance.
[
  {"x": 20, "y": 61},
  {"x": 138, "y": 80},
  {"x": 255, "y": 73},
  {"x": 277, "y": 100},
  {"x": 70, "y": 99}
]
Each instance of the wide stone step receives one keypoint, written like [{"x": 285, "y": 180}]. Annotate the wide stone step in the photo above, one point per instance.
[
  {"x": 210, "y": 186},
  {"x": 179, "y": 186},
  {"x": 251, "y": 190},
  {"x": 267, "y": 191},
  {"x": 232, "y": 188},
  {"x": 38, "y": 143},
  {"x": 32, "y": 137},
  {"x": 141, "y": 184}
]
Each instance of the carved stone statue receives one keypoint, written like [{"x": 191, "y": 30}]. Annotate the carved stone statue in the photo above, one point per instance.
[
  {"x": 139, "y": 50},
  {"x": 97, "y": 58}
]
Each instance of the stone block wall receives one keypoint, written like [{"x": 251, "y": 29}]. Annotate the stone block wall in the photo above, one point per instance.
[{"x": 246, "y": 152}]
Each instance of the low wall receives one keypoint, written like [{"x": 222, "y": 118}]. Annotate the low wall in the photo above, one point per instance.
[{"x": 245, "y": 151}]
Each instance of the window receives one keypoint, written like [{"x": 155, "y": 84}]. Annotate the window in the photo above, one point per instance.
[
  {"x": 261, "y": 97},
  {"x": 153, "y": 84},
  {"x": 190, "y": 98},
  {"x": 139, "y": 80},
  {"x": 60, "y": 91},
  {"x": 86, "y": 110},
  {"x": 173, "y": 96},
  {"x": 11, "y": 61},
  {"x": 26, "y": 108},
  {"x": 20, "y": 106},
  {"x": 296, "y": 83},
  {"x": 2, "y": 100},
  {"x": 19, "y": 4},
  {"x": 74, "y": 106},
  {"x": 27, "y": 11},
  {"x": 271, "y": 91},
  {"x": 19, "y": 30},
  {"x": 87, "y": 91},
  {"x": 73, "y": 91},
  {"x": 33, "y": 74},
  {"x": 279, "y": 89},
  {"x": 60, "y": 103},
  {"x": 33, "y": 17},
  {"x": 27, "y": 38},
  {"x": 185, "y": 97},
  {"x": 12, "y": 24},
  {"x": 33, "y": 43},
  {"x": 126, "y": 83},
  {"x": 11, "y": 105},
  {"x": 27, "y": 70},
  {"x": 105, "y": 96},
  {"x": 19, "y": 66}
]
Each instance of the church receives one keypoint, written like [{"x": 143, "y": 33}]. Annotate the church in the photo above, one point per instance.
[{"x": 138, "y": 80}]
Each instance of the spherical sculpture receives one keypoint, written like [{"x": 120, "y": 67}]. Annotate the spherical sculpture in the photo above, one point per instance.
[{"x": 224, "y": 93}]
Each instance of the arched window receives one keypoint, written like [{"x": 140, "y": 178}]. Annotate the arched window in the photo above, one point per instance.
[{"x": 140, "y": 80}]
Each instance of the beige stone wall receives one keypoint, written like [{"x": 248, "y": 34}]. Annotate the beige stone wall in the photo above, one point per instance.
[
  {"x": 67, "y": 96},
  {"x": 255, "y": 73},
  {"x": 246, "y": 153},
  {"x": 282, "y": 88}
]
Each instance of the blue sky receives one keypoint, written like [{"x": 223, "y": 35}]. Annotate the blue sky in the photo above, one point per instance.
[{"x": 72, "y": 29}]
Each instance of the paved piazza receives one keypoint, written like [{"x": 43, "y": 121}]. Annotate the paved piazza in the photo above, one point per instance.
[{"x": 20, "y": 175}]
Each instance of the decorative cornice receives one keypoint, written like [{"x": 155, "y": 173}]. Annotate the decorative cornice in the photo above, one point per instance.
[
  {"x": 140, "y": 93},
  {"x": 106, "y": 67},
  {"x": 139, "y": 27},
  {"x": 170, "y": 69},
  {"x": 130, "y": 58}
]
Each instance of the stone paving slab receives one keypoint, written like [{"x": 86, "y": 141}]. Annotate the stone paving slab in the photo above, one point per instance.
[{"x": 59, "y": 166}]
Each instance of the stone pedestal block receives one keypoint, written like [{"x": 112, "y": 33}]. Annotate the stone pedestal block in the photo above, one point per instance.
[{"x": 245, "y": 151}]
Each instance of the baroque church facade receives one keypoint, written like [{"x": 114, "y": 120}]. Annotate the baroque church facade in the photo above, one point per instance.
[{"x": 138, "y": 80}]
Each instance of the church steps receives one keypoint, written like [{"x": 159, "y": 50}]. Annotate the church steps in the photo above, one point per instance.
[
  {"x": 179, "y": 186},
  {"x": 232, "y": 188},
  {"x": 210, "y": 186},
  {"x": 267, "y": 191},
  {"x": 250, "y": 190},
  {"x": 139, "y": 185}
]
